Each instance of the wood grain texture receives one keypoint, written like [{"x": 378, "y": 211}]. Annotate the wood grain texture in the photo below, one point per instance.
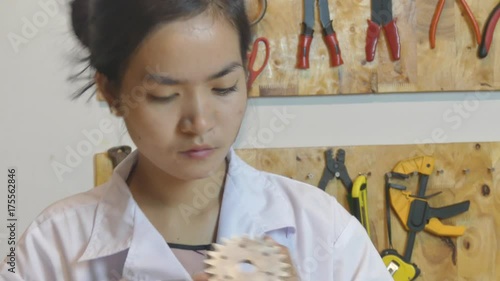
[
  {"x": 453, "y": 65},
  {"x": 103, "y": 168},
  {"x": 463, "y": 171}
]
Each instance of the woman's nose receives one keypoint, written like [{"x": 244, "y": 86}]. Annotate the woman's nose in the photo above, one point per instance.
[{"x": 197, "y": 117}]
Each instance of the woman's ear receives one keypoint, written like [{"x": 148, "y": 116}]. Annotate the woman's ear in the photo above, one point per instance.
[{"x": 106, "y": 89}]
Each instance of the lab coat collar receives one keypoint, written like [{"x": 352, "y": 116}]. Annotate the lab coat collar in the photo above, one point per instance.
[
  {"x": 252, "y": 205},
  {"x": 114, "y": 220}
]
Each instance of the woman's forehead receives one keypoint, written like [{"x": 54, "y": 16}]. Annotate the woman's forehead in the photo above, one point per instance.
[{"x": 186, "y": 49}]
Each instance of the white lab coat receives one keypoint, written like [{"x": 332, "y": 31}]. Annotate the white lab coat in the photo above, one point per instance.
[{"x": 102, "y": 234}]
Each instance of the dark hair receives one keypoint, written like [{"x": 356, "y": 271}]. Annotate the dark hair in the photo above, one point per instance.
[{"x": 111, "y": 30}]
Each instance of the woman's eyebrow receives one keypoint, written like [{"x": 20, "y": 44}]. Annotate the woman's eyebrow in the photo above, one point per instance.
[
  {"x": 165, "y": 80},
  {"x": 162, "y": 79},
  {"x": 226, "y": 70}
]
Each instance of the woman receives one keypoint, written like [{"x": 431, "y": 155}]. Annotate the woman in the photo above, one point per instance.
[{"x": 175, "y": 72}]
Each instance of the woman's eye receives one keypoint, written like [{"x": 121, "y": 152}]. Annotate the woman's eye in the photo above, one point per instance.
[
  {"x": 225, "y": 91},
  {"x": 161, "y": 99}
]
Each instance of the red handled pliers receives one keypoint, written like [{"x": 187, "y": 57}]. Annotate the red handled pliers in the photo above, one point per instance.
[
  {"x": 489, "y": 29},
  {"x": 437, "y": 14},
  {"x": 306, "y": 36},
  {"x": 381, "y": 17}
]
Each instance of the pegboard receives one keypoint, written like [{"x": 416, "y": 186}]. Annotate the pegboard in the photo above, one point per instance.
[
  {"x": 453, "y": 65},
  {"x": 463, "y": 171}
]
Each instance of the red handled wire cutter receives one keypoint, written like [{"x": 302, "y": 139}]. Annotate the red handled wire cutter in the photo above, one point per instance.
[
  {"x": 306, "y": 36},
  {"x": 381, "y": 17}
]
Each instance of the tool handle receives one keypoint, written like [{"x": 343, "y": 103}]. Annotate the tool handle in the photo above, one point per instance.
[
  {"x": 333, "y": 48},
  {"x": 255, "y": 50},
  {"x": 325, "y": 178},
  {"x": 356, "y": 209},
  {"x": 489, "y": 29},
  {"x": 392, "y": 35},
  {"x": 372, "y": 33},
  {"x": 253, "y": 74},
  {"x": 410, "y": 243},
  {"x": 359, "y": 196},
  {"x": 422, "y": 185},
  {"x": 470, "y": 15},
  {"x": 434, "y": 23},
  {"x": 388, "y": 209},
  {"x": 304, "y": 47}
]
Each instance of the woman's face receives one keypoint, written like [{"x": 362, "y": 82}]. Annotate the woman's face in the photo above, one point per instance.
[{"x": 195, "y": 97}]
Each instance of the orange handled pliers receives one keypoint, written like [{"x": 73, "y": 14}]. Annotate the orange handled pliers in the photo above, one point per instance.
[{"x": 437, "y": 14}]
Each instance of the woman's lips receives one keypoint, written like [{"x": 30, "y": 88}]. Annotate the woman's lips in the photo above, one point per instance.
[{"x": 199, "y": 153}]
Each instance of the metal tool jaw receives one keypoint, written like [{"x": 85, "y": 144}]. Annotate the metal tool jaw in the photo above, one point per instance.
[{"x": 335, "y": 168}]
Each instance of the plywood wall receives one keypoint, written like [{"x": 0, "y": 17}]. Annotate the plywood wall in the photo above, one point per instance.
[
  {"x": 463, "y": 171},
  {"x": 468, "y": 171},
  {"x": 452, "y": 66}
]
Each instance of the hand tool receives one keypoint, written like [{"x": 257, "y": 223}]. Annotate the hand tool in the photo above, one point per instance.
[
  {"x": 359, "y": 196},
  {"x": 437, "y": 15},
  {"x": 335, "y": 168},
  {"x": 381, "y": 17},
  {"x": 329, "y": 34},
  {"x": 118, "y": 153},
  {"x": 356, "y": 192},
  {"x": 488, "y": 31},
  {"x": 399, "y": 268},
  {"x": 252, "y": 73},
  {"x": 262, "y": 9},
  {"x": 415, "y": 214},
  {"x": 106, "y": 162}
]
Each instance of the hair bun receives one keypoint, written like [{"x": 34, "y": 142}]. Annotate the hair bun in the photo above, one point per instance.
[{"x": 80, "y": 20}]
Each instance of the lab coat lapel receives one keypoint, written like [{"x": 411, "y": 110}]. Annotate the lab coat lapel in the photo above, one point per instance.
[
  {"x": 149, "y": 257},
  {"x": 252, "y": 204}
]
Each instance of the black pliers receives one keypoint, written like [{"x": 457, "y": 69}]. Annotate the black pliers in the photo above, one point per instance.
[{"x": 335, "y": 168}]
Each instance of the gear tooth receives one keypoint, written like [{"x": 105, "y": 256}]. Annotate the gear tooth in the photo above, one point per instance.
[
  {"x": 284, "y": 265},
  {"x": 212, "y": 253},
  {"x": 281, "y": 256},
  {"x": 269, "y": 242},
  {"x": 218, "y": 247},
  {"x": 283, "y": 274},
  {"x": 211, "y": 262},
  {"x": 211, "y": 270}
]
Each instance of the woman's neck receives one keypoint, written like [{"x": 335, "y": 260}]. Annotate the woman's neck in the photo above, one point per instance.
[
  {"x": 182, "y": 211},
  {"x": 152, "y": 187}
]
